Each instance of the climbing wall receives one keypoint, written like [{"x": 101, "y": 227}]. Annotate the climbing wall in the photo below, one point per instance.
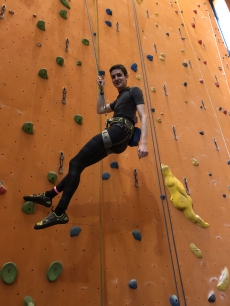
[{"x": 50, "y": 56}]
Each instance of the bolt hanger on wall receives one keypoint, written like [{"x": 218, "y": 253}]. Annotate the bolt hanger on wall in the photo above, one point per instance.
[
  {"x": 64, "y": 91},
  {"x": 67, "y": 45},
  {"x": 186, "y": 186},
  {"x": 165, "y": 90},
  {"x": 174, "y": 132},
  {"x": 135, "y": 177},
  {"x": 214, "y": 139}
]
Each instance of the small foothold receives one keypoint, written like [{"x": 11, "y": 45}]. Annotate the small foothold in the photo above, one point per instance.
[
  {"x": 54, "y": 271},
  {"x": 52, "y": 177},
  {"x": 185, "y": 64},
  {"x": 162, "y": 114},
  {"x": 198, "y": 5},
  {"x": 106, "y": 176},
  {"x": 220, "y": 108},
  {"x": 75, "y": 231},
  {"x": 186, "y": 101},
  {"x": 156, "y": 24},
  {"x": 156, "y": 13},
  {"x": 2, "y": 188},
  {"x": 167, "y": 34},
  {"x": 60, "y": 60},
  {"x": 28, "y": 127},
  {"x": 225, "y": 112},
  {"x": 138, "y": 77},
  {"x": 195, "y": 250},
  {"x": 63, "y": 14},
  {"x": 163, "y": 54},
  {"x": 205, "y": 62},
  {"x": 137, "y": 235},
  {"x": 195, "y": 162},
  {"x": 28, "y": 301},
  {"x": 65, "y": 3},
  {"x": 78, "y": 119},
  {"x": 153, "y": 89},
  {"x": 182, "y": 24},
  {"x": 200, "y": 42},
  {"x": 109, "y": 12},
  {"x": 224, "y": 195},
  {"x": 174, "y": 300},
  {"x": 79, "y": 63},
  {"x": 185, "y": 83},
  {"x": 134, "y": 67},
  {"x": 161, "y": 58},
  {"x": 28, "y": 207},
  {"x": 220, "y": 68},
  {"x": 109, "y": 23},
  {"x": 201, "y": 133},
  {"x": 159, "y": 120},
  {"x": 182, "y": 50},
  {"x": 162, "y": 196},
  {"x": 101, "y": 72},
  {"x": 95, "y": 34},
  {"x": 223, "y": 280},
  {"x": 114, "y": 165},
  {"x": 228, "y": 162},
  {"x": 210, "y": 174},
  {"x": 43, "y": 73},
  {"x": 133, "y": 284},
  {"x": 85, "y": 41},
  {"x": 41, "y": 25},
  {"x": 9, "y": 273},
  {"x": 195, "y": 11},
  {"x": 153, "y": 110},
  {"x": 217, "y": 84},
  {"x": 176, "y": 11},
  {"x": 211, "y": 297},
  {"x": 201, "y": 81},
  {"x": 193, "y": 25},
  {"x": 150, "y": 57}
]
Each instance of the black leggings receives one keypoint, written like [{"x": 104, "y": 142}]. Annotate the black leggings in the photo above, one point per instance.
[{"x": 91, "y": 153}]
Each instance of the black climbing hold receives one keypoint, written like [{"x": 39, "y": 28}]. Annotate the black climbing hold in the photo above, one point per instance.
[
  {"x": 167, "y": 34},
  {"x": 182, "y": 38},
  {"x": 174, "y": 300},
  {"x": 137, "y": 235},
  {"x": 212, "y": 298},
  {"x": 210, "y": 174},
  {"x": 108, "y": 23},
  {"x": 201, "y": 107},
  {"x": 185, "y": 64},
  {"x": 162, "y": 196},
  {"x": 150, "y": 57},
  {"x": 153, "y": 110},
  {"x": 28, "y": 127},
  {"x": 134, "y": 67},
  {"x": 101, "y": 72},
  {"x": 54, "y": 271},
  {"x": 85, "y": 41},
  {"x": 201, "y": 132},
  {"x": 65, "y": 3},
  {"x": 220, "y": 108},
  {"x": 63, "y": 14},
  {"x": 79, "y": 63},
  {"x": 95, "y": 34},
  {"x": 43, "y": 73},
  {"x": 185, "y": 83},
  {"x": 78, "y": 119},
  {"x": 133, "y": 284},
  {"x": 114, "y": 165},
  {"x": 60, "y": 60},
  {"x": 182, "y": 24},
  {"x": 28, "y": 207},
  {"x": 109, "y": 12},
  {"x": 9, "y": 273},
  {"x": 41, "y": 25},
  {"x": 75, "y": 231},
  {"x": 228, "y": 162},
  {"x": 52, "y": 177},
  {"x": 224, "y": 195},
  {"x": 105, "y": 176}
]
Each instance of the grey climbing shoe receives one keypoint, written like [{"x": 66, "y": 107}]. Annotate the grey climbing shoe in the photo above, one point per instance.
[
  {"x": 51, "y": 220},
  {"x": 40, "y": 199}
]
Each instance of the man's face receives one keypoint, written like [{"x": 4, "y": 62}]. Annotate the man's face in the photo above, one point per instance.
[{"x": 118, "y": 79}]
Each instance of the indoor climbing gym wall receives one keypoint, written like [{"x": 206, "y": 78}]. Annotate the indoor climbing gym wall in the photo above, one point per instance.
[{"x": 146, "y": 232}]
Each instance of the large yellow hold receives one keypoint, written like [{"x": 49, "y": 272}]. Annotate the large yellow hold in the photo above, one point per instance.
[
  {"x": 179, "y": 197},
  {"x": 223, "y": 280}
]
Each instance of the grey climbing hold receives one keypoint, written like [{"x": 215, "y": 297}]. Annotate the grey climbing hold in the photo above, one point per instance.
[
  {"x": 201, "y": 132},
  {"x": 114, "y": 165},
  {"x": 75, "y": 231},
  {"x": 28, "y": 127},
  {"x": 28, "y": 301},
  {"x": 109, "y": 12},
  {"x": 174, "y": 300},
  {"x": 212, "y": 297},
  {"x": 150, "y": 57},
  {"x": 185, "y": 64},
  {"x": 65, "y": 3},
  {"x": 52, "y": 177},
  {"x": 224, "y": 195},
  {"x": 85, "y": 41},
  {"x": 106, "y": 176},
  {"x": 63, "y": 14},
  {"x": 134, "y": 67},
  {"x": 137, "y": 235},
  {"x": 28, "y": 207},
  {"x": 54, "y": 271},
  {"x": 9, "y": 273},
  {"x": 41, "y": 25},
  {"x": 60, "y": 60},
  {"x": 78, "y": 119},
  {"x": 162, "y": 196},
  {"x": 185, "y": 83},
  {"x": 133, "y": 284},
  {"x": 108, "y": 23},
  {"x": 43, "y": 73},
  {"x": 79, "y": 63}
]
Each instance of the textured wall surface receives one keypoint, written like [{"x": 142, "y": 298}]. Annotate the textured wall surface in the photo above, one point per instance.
[{"x": 99, "y": 263}]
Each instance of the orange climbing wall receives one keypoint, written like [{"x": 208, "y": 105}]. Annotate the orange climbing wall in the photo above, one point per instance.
[{"x": 100, "y": 262}]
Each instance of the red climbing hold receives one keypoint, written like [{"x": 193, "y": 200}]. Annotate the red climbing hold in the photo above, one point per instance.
[
  {"x": 2, "y": 189},
  {"x": 195, "y": 11},
  {"x": 201, "y": 81},
  {"x": 205, "y": 62},
  {"x": 220, "y": 68},
  {"x": 217, "y": 84},
  {"x": 200, "y": 42},
  {"x": 176, "y": 12},
  {"x": 193, "y": 25},
  {"x": 198, "y": 5},
  {"x": 225, "y": 112}
]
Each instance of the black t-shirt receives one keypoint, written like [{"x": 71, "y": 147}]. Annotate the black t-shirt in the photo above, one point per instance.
[{"x": 125, "y": 104}]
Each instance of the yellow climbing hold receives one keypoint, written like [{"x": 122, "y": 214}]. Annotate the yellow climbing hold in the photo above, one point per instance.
[
  {"x": 195, "y": 162},
  {"x": 179, "y": 197},
  {"x": 186, "y": 101},
  {"x": 163, "y": 54},
  {"x": 156, "y": 13},
  {"x": 138, "y": 77},
  {"x": 156, "y": 24},
  {"x": 153, "y": 89},
  {"x": 161, "y": 58},
  {"x": 223, "y": 280},
  {"x": 195, "y": 250},
  {"x": 162, "y": 114},
  {"x": 139, "y": 1},
  {"x": 159, "y": 120},
  {"x": 182, "y": 50}
]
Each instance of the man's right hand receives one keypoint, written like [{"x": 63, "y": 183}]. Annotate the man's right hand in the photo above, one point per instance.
[{"x": 101, "y": 82}]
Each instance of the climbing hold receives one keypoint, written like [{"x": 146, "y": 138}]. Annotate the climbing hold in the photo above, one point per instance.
[
  {"x": 79, "y": 63},
  {"x": 200, "y": 42},
  {"x": 156, "y": 24},
  {"x": 95, "y": 34},
  {"x": 2, "y": 188},
  {"x": 195, "y": 11},
  {"x": 179, "y": 198},
  {"x": 198, "y": 5},
  {"x": 85, "y": 41},
  {"x": 211, "y": 297},
  {"x": 28, "y": 127},
  {"x": 65, "y": 3},
  {"x": 133, "y": 284},
  {"x": 217, "y": 84},
  {"x": 225, "y": 112},
  {"x": 182, "y": 50},
  {"x": 153, "y": 89},
  {"x": 106, "y": 176},
  {"x": 224, "y": 195},
  {"x": 205, "y": 62},
  {"x": 162, "y": 197},
  {"x": 186, "y": 101},
  {"x": 114, "y": 165},
  {"x": 138, "y": 77},
  {"x": 223, "y": 280},
  {"x": 43, "y": 73},
  {"x": 209, "y": 173},
  {"x": 219, "y": 108},
  {"x": 54, "y": 271},
  {"x": 193, "y": 25},
  {"x": 78, "y": 119},
  {"x": 150, "y": 57},
  {"x": 9, "y": 273},
  {"x": 28, "y": 301},
  {"x": 156, "y": 13},
  {"x": 63, "y": 14},
  {"x": 228, "y": 162},
  {"x": 174, "y": 300},
  {"x": 185, "y": 84},
  {"x": 185, "y": 64},
  {"x": 195, "y": 250},
  {"x": 75, "y": 231},
  {"x": 167, "y": 34},
  {"x": 101, "y": 72},
  {"x": 109, "y": 12},
  {"x": 159, "y": 120},
  {"x": 220, "y": 68},
  {"x": 161, "y": 58},
  {"x": 60, "y": 60},
  {"x": 137, "y": 235},
  {"x": 52, "y": 177},
  {"x": 201, "y": 81},
  {"x": 41, "y": 25},
  {"x": 108, "y": 23},
  {"x": 134, "y": 67},
  {"x": 152, "y": 110},
  {"x": 195, "y": 162},
  {"x": 176, "y": 11},
  {"x": 201, "y": 132},
  {"x": 28, "y": 207},
  {"x": 139, "y": 1}
]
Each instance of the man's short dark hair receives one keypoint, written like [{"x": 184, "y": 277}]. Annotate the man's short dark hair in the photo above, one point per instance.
[{"x": 119, "y": 66}]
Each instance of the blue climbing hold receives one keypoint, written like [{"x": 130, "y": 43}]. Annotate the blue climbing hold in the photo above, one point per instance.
[
  {"x": 137, "y": 235},
  {"x": 150, "y": 57},
  {"x": 133, "y": 284},
  {"x": 201, "y": 133},
  {"x": 109, "y": 12},
  {"x": 153, "y": 110},
  {"x": 105, "y": 176},
  {"x": 75, "y": 231},
  {"x": 134, "y": 67},
  {"x": 174, "y": 300},
  {"x": 212, "y": 298},
  {"x": 224, "y": 195},
  {"x": 228, "y": 162},
  {"x": 114, "y": 165},
  {"x": 162, "y": 196},
  {"x": 185, "y": 64},
  {"x": 101, "y": 72},
  {"x": 108, "y": 23}
]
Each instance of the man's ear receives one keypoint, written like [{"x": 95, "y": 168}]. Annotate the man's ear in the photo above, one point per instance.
[{"x": 127, "y": 76}]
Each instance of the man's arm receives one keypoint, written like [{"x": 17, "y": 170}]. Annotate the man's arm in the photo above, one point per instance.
[
  {"x": 100, "y": 106},
  {"x": 143, "y": 150}
]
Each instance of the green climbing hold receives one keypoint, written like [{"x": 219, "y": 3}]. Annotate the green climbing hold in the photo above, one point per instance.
[
  {"x": 28, "y": 301},
  {"x": 9, "y": 273},
  {"x": 63, "y": 14},
  {"x": 85, "y": 41},
  {"x": 60, "y": 60},
  {"x": 78, "y": 119},
  {"x": 65, "y": 3},
  {"x": 43, "y": 73},
  {"x": 28, "y": 207},
  {"x": 52, "y": 177},
  {"x": 28, "y": 127},
  {"x": 79, "y": 63},
  {"x": 54, "y": 271},
  {"x": 41, "y": 25}
]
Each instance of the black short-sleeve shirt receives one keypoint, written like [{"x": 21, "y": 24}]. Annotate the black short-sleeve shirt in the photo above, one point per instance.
[{"x": 126, "y": 102}]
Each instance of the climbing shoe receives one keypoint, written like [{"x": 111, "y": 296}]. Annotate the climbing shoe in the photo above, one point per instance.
[
  {"x": 40, "y": 199},
  {"x": 51, "y": 220}
]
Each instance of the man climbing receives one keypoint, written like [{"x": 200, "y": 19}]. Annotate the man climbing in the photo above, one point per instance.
[{"x": 114, "y": 139}]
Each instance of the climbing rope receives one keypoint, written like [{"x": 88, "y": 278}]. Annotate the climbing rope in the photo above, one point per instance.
[{"x": 157, "y": 157}]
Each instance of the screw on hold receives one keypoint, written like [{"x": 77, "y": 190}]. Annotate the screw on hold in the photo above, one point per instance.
[
  {"x": 180, "y": 31},
  {"x": 216, "y": 78},
  {"x": 190, "y": 63},
  {"x": 165, "y": 90},
  {"x": 214, "y": 139},
  {"x": 67, "y": 45},
  {"x": 147, "y": 12},
  {"x": 194, "y": 19},
  {"x": 171, "y": 3},
  {"x": 2, "y": 11},
  {"x": 117, "y": 26},
  {"x": 155, "y": 47},
  {"x": 38, "y": 44},
  {"x": 135, "y": 177},
  {"x": 203, "y": 104},
  {"x": 64, "y": 91},
  {"x": 60, "y": 170},
  {"x": 186, "y": 186},
  {"x": 174, "y": 132}
]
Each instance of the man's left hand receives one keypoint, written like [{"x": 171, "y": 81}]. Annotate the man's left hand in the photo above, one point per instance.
[{"x": 142, "y": 151}]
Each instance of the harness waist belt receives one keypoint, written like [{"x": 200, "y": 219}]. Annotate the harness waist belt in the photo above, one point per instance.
[{"x": 120, "y": 119}]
